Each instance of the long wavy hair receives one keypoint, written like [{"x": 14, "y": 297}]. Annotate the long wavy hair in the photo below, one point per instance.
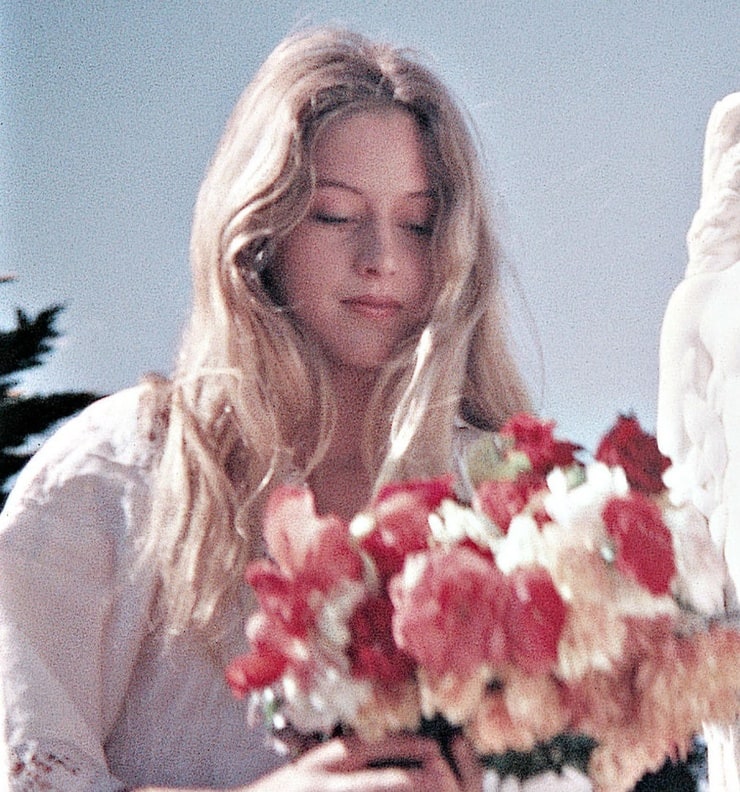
[{"x": 250, "y": 401}]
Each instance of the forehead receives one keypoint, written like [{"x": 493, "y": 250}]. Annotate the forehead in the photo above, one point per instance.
[{"x": 378, "y": 143}]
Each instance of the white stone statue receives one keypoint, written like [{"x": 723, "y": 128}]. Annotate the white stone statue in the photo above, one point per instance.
[{"x": 699, "y": 393}]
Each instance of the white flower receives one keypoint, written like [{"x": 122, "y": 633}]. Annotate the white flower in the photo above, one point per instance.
[
  {"x": 578, "y": 509},
  {"x": 522, "y": 545},
  {"x": 413, "y": 568},
  {"x": 453, "y": 522},
  {"x": 362, "y": 525},
  {"x": 333, "y": 697},
  {"x": 332, "y": 620},
  {"x": 692, "y": 482}
]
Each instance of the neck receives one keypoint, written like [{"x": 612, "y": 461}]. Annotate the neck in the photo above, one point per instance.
[
  {"x": 353, "y": 390},
  {"x": 340, "y": 483}
]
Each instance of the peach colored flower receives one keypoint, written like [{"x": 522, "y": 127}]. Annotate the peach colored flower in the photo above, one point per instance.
[
  {"x": 538, "y": 701},
  {"x": 455, "y": 696},
  {"x": 388, "y": 711}
]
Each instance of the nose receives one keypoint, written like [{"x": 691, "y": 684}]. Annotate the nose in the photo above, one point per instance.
[{"x": 379, "y": 251}]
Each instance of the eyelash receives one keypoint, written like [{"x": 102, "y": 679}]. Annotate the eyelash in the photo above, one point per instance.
[
  {"x": 419, "y": 229},
  {"x": 330, "y": 219}
]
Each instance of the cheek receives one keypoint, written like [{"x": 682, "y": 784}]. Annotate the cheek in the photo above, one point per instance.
[
  {"x": 425, "y": 289},
  {"x": 290, "y": 270}
]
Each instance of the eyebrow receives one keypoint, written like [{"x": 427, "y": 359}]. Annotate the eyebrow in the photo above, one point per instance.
[{"x": 343, "y": 186}]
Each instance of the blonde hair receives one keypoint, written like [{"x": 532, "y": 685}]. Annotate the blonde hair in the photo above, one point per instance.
[{"x": 248, "y": 402}]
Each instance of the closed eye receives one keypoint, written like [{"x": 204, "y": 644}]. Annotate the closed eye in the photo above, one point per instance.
[
  {"x": 330, "y": 219},
  {"x": 419, "y": 229}
]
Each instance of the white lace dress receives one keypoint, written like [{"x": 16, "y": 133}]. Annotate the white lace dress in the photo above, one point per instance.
[{"x": 91, "y": 701}]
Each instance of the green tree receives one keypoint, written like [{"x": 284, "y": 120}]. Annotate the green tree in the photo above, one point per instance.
[{"x": 22, "y": 416}]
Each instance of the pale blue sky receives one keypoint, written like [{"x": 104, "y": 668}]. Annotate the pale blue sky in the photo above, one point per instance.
[{"x": 592, "y": 115}]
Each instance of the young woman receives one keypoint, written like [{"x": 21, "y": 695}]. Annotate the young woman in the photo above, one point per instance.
[{"x": 347, "y": 328}]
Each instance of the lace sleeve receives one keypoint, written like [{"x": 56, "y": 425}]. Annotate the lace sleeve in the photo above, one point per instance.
[
  {"x": 32, "y": 768},
  {"x": 74, "y": 602}
]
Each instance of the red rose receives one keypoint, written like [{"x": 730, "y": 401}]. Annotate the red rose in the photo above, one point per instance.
[
  {"x": 643, "y": 543},
  {"x": 535, "y": 620},
  {"x": 373, "y": 652},
  {"x": 501, "y": 500},
  {"x": 534, "y": 438},
  {"x": 628, "y": 446}
]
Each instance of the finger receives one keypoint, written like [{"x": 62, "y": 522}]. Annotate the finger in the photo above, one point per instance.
[
  {"x": 399, "y": 749},
  {"x": 346, "y": 754},
  {"x": 389, "y": 779},
  {"x": 343, "y": 765},
  {"x": 510, "y": 784},
  {"x": 569, "y": 780},
  {"x": 330, "y": 755},
  {"x": 577, "y": 781}
]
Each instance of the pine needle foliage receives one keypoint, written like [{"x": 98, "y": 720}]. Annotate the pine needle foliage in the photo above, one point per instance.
[{"x": 23, "y": 416}]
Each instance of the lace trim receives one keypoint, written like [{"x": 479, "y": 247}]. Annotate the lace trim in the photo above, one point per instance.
[{"x": 34, "y": 770}]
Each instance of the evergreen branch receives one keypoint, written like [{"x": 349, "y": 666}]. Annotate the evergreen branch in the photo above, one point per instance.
[
  {"x": 10, "y": 464},
  {"x": 22, "y": 417},
  {"x": 24, "y": 347}
]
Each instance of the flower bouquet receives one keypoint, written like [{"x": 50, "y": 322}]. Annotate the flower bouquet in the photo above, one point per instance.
[{"x": 561, "y": 615}]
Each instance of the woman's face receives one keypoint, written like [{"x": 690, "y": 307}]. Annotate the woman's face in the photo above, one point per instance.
[{"x": 356, "y": 272}]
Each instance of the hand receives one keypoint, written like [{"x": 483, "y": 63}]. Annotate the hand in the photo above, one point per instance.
[{"x": 350, "y": 765}]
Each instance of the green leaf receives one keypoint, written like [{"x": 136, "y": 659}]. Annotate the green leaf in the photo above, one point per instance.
[
  {"x": 572, "y": 750},
  {"x": 492, "y": 458}
]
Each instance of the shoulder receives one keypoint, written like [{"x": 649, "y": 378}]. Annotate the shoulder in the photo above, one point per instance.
[{"x": 116, "y": 438}]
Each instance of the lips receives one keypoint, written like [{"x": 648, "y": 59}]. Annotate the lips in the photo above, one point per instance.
[{"x": 373, "y": 306}]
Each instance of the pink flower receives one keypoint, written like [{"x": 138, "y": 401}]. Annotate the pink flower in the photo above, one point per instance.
[
  {"x": 283, "y": 621},
  {"x": 310, "y": 556},
  {"x": 318, "y": 549},
  {"x": 643, "y": 543},
  {"x": 429, "y": 492},
  {"x": 535, "y": 620},
  {"x": 628, "y": 446},
  {"x": 401, "y": 513},
  {"x": 519, "y": 711},
  {"x": 283, "y": 601},
  {"x": 534, "y": 438},
  {"x": 453, "y": 617}
]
